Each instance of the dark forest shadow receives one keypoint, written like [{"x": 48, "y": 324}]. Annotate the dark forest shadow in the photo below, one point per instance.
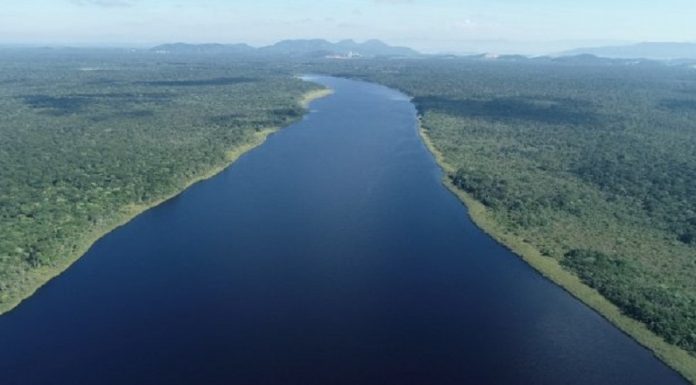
[
  {"x": 199, "y": 82},
  {"x": 556, "y": 111}
]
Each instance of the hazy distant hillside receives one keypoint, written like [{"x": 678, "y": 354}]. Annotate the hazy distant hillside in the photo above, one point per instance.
[
  {"x": 308, "y": 48},
  {"x": 183, "y": 48},
  {"x": 570, "y": 60},
  {"x": 658, "y": 51}
]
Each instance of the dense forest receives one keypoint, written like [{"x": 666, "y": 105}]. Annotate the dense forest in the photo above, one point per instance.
[
  {"x": 88, "y": 138},
  {"x": 594, "y": 165}
]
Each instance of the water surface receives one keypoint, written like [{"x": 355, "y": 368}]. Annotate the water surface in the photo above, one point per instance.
[{"x": 330, "y": 255}]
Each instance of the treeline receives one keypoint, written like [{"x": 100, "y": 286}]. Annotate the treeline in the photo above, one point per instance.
[
  {"x": 85, "y": 137},
  {"x": 594, "y": 165}
]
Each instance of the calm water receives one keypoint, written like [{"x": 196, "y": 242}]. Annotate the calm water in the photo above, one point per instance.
[{"x": 330, "y": 255}]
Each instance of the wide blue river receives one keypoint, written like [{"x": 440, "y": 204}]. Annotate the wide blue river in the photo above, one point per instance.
[{"x": 332, "y": 254}]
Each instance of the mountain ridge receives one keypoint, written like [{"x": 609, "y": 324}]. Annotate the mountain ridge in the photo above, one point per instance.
[{"x": 294, "y": 47}]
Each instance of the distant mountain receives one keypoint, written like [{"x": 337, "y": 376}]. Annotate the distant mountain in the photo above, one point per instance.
[
  {"x": 296, "y": 48},
  {"x": 581, "y": 59},
  {"x": 345, "y": 48},
  {"x": 183, "y": 48},
  {"x": 590, "y": 59},
  {"x": 376, "y": 48},
  {"x": 655, "y": 51}
]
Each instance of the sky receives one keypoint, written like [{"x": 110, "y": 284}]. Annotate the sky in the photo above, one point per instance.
[{"x": 457, "y": 26}]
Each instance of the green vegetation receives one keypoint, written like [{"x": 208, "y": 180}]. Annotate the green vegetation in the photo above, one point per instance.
[
  {"x": 587, "y": 169},
  {"x": 91, "y": 139}
]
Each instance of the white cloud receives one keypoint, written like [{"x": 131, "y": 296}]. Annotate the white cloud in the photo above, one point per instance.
[{"x": 466, "y": 24}]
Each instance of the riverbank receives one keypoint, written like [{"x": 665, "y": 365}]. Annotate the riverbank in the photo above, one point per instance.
[
  {"x": 313, "y": 95},
  {"x": 43, "y": 275},
  {"x": 677, "y": 358}
]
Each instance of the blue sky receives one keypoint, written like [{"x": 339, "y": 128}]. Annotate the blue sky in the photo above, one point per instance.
[{"x": 527, "y": 26}]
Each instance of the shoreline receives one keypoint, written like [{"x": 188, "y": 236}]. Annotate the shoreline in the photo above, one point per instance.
[
  {"x": 309, "y": 97},
  {"x": 44, "y": 275},
  {"x": 676, "y": 358}
]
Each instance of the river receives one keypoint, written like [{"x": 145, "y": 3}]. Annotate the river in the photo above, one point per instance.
[{"x": 332, "y": 254}]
